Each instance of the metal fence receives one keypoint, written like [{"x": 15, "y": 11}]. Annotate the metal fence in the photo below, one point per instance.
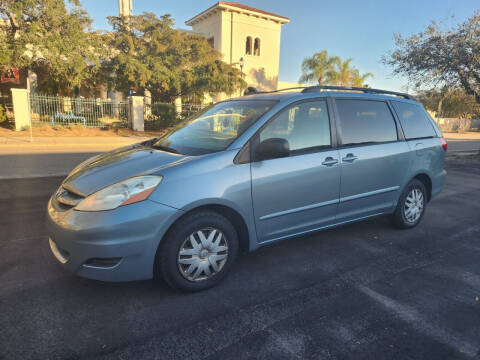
[
  {"x": 64, "y": 111},
  {"x": 190, "y": 109}
]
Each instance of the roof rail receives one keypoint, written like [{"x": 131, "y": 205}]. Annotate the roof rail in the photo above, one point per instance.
[
  {"x": 279, "y": 90},
  {"x": 360, "y": 89},
  {"x": 308, "y": 89}
]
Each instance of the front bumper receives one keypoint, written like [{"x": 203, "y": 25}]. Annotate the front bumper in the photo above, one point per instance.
[{"x": 115, "y": 245}]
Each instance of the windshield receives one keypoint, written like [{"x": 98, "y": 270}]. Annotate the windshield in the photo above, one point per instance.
[{"x": 215, "y": 128}]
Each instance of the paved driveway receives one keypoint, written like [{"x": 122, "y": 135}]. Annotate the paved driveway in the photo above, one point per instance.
[{"x": 362, "y": 291}]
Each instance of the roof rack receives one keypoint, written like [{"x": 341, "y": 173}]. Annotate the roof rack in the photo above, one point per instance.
[
  {"x": 279, "y": 90},
  {"x": 360, "y": 89},
  {"x": 308, "y": 89}
]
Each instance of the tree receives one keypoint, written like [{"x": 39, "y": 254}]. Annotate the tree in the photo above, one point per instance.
[
  {"x": 149, "y": 54},
  {"x": 318, "y": 68},
  {"x": 453, "y": 103},
  {"x": 53, "y": 41},
  {"x": 436, "y": 57},
  {"x": 331, "y": 70},
  {"x": 358, "y": 80}
]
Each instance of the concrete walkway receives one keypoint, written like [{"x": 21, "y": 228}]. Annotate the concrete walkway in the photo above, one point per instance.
[
  {"x": 52, "y": 156},
  {"x": 23, "y": 145}
]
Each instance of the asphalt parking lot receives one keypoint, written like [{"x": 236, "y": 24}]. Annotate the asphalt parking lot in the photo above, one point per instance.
[{"x": 362, "y": 291}]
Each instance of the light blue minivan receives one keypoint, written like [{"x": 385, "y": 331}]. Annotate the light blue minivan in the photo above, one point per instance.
[{"x": 244, "y": 173}]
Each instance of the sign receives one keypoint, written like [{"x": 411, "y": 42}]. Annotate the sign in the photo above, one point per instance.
[{"x": 10, "y": 76}]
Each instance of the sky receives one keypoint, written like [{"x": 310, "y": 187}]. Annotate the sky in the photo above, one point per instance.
[{"x": 361, "y": 30}]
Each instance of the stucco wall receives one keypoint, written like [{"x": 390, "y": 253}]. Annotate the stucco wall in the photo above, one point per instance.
[
  {"x": 211, "y": 27},
  {"x": 260, "y": 71}
]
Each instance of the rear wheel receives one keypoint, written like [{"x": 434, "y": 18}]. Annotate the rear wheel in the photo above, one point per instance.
[
  {"x": 198, "y": 251},
  {"x": 411, "y": 206}
]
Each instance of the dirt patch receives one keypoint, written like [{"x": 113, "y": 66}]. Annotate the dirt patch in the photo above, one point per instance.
[{"x": 76, "y": 131}]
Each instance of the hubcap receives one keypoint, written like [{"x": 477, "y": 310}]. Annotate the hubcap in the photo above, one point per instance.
[
  {"x": 203, "y": 254},
  {"x": 413, "y": 208}
]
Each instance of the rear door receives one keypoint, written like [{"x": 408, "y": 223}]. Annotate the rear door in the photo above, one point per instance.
[
  {"x": 417, "y": 128},
  {"x": 374, "y": 158},
  {"x": 298, "y": 193},
  {"x": 427, "y": 154}
]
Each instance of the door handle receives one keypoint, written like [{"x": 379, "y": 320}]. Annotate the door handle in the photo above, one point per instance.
[
  {"x": 329, "y": 161},
  {"x": 349, "y": 158}
]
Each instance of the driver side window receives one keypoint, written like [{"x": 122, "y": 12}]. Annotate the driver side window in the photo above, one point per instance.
[{"x": 305, "y": 126}]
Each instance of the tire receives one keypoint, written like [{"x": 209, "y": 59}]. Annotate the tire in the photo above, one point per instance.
[
  {"x": 400, "y": 218},
  {"x": 179, "y": 253}
]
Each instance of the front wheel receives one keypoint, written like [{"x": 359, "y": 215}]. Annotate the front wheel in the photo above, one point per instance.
[
  {"x": 411, "y": 206},
  {"x": 198, "y": 251}
]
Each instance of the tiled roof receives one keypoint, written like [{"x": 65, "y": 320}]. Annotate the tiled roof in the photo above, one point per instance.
[
  {"x": 234, "y": 4},
  {"x": 249, "y": 8}
]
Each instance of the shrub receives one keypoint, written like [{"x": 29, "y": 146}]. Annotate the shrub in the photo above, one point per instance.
[
  {"x": 3, "y": 116},
  {"x": 160, "y": 116}
]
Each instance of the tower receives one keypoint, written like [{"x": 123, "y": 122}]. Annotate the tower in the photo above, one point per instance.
[
  {"x": 124, "y": 7},
  {"x": 245, "y": 36}
]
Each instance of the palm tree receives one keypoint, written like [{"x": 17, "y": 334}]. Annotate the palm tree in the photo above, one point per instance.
[
  {"x": 318, "y": 68},
  {"x": 346, "y": 75},
  {"x": 359, "y": 80},
  {"x": 326, "y": 69},
  {"x": 343, "y": 73}
]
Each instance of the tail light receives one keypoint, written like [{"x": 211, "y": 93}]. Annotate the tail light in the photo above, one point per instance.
[{"x": 444, "y": 144}]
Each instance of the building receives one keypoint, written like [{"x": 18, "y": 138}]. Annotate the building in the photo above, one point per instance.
[{"x": 246, "y": 37}]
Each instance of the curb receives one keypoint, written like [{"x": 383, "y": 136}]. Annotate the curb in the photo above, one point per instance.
[{"x": 463, "y": 153}]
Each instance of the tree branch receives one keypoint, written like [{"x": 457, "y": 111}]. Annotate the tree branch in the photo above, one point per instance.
[{"x": 13, "y": 26}]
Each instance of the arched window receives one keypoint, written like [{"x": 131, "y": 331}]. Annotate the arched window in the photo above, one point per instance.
[
  {"x": 248, "y": 46},
  {"x": 256, "y": 47}
]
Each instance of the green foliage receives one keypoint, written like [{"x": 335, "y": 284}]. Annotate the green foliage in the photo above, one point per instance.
[
  {"x": 331, "y": 70},
  {"x": 51, "y": 40},
  {"x": 318, "y": 68},
  {"x": 436, "y": 57},
  {"x": 161, "y": 116},
  {"x": 3, "y": 116},
  {"x": 450, "y": 103},
  {"x": 150, "y": 54}
]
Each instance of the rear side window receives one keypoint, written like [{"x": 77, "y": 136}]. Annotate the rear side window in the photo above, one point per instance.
[
  {"x": 415, "y": 123},
  {"x": 365, "y": 121}
]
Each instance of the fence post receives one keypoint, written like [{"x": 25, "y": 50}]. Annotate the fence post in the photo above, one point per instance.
[
  {"x": 136, "y": 113},
  {"x": 178, "y": 106},
  {"x": 21, "y": 109}
]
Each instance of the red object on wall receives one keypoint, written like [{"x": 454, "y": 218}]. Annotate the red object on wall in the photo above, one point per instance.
[{"x": 10, "y": 76}]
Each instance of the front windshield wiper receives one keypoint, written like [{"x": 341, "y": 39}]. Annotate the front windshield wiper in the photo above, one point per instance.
[{"x": 165, "y": 148}]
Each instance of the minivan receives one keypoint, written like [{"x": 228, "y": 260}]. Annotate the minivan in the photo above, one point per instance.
[{"x": 244, "y": 173}]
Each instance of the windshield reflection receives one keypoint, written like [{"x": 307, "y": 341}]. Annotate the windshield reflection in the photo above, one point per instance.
[{"x": 215, "y": 128}]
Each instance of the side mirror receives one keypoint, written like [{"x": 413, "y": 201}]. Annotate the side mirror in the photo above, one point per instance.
[{"x": 272, "y": 149}]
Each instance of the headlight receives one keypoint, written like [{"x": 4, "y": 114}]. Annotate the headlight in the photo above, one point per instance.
[{"x": 125, "y": 192}]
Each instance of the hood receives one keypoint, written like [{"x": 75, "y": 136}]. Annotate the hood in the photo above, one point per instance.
[{"x": 114, "y": 166}]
